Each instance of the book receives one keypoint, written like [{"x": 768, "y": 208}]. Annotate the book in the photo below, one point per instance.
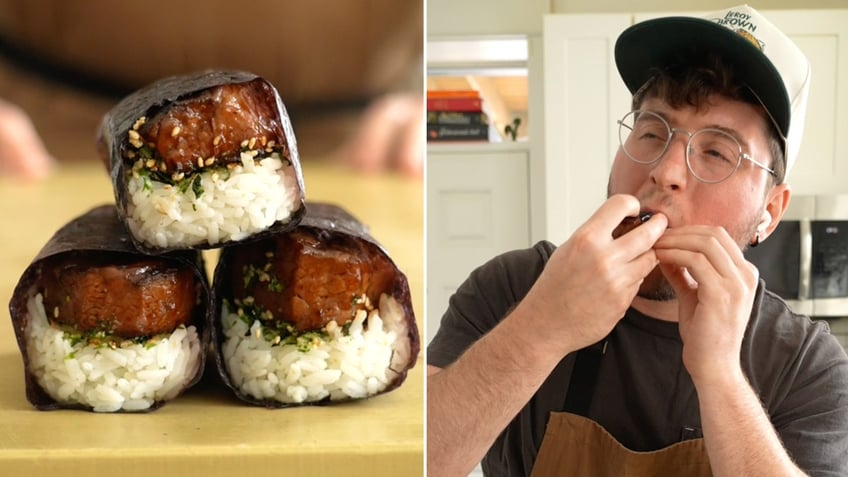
[
  {"x": 469, "y": 105},
  {"x": 456, "y": 117},
  {"x": 463, "y": 93},
  {"x": 457, "y": 132}
]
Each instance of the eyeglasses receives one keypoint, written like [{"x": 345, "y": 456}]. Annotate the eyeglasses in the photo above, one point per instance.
[{"x": 712, "y": 155}]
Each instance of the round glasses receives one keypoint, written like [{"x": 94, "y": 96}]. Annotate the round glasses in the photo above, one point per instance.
[{"x": 712, "y": 155}]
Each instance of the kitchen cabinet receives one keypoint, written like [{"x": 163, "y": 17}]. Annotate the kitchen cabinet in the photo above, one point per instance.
[
  {"x": 583, "y": 98},
  {"x": 822, "y": 166},
  {"x": 477, "y": 207}
]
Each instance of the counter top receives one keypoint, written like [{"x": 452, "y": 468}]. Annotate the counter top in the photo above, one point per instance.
[{"x": 206, "y": 431}]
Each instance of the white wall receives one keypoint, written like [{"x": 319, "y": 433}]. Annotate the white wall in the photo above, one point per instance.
[
  {"x": 446, "y": 18},
  {"x": 449, "y": 18},
  {"x": 619, "y": 6}
]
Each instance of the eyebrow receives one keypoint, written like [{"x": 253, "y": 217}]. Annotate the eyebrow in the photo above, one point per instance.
[{"x": 733, "y": 132}]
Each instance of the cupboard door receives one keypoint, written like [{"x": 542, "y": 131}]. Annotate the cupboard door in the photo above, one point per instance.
[
  {"x": 584, "y": 96},
  {"x": 822, "y": 166},
  {"x": 477, "y": 207}
]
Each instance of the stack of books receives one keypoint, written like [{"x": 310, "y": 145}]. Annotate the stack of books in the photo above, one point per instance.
[{"x": 456, "y": 116}]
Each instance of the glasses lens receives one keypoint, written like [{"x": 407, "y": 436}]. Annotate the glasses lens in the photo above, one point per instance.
[
  {"x": 713, "y": 155},
  {"x": 643, "y": 135}
]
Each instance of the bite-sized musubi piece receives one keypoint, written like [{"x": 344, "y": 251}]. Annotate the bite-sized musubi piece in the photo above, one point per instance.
[
  {"x": 105, "y": 328},
  {"x": 316, "y": 315},
  {"x": 203, "y": 160},
  {"x": 630, "y": 223}
]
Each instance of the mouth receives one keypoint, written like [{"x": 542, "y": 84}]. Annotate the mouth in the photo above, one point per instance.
[{"x": 647, "y": 212}]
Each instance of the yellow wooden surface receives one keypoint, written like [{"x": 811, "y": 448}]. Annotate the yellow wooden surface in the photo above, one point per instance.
[{"x": 207, "y": 431}]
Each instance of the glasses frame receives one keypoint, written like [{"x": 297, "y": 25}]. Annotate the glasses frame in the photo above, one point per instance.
[{"x": 690, "y": 135}]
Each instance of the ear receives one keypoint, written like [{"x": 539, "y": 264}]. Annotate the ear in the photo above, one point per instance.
[{"x": 776, "y": 203}]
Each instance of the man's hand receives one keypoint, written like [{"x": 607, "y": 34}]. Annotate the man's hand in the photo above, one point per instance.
[
  {"x": 590, "y": 280},
  {"x": 715, "y": 289}
]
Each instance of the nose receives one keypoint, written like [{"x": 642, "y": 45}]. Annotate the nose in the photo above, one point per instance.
[{"x": 670, "y": 171}]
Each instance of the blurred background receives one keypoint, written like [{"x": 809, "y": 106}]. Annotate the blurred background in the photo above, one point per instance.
[{"x": 338, "y": 67}]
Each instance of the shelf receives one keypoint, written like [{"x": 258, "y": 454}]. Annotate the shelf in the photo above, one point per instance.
[
  {"x": 466, "y": 147},
  {"x": 494, "y": 67}
]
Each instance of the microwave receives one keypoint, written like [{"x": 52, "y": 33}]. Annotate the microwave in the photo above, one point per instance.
[{"x": 805, "y": 259}]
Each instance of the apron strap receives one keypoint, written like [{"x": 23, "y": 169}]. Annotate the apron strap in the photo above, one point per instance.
[{"x": 584, "y": 377}]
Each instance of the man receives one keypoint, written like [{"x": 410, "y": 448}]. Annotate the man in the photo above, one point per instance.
[{"x": 577, "y": 359}]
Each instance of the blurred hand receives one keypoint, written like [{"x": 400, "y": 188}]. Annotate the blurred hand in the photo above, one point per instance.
[
  {"x": 390, "y": 136},
  {"x": 22, "y": 153}
]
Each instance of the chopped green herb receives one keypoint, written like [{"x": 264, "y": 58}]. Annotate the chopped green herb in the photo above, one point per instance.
[
  {"x": 197, "y": 186},
  {"x": 146, "y": 152},
  {"x": 275, "y": 285},
  {"x": 249, "y": 272}
]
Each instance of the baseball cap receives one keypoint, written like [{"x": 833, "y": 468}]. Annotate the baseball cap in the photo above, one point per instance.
[{"x": 762, "y": 56}]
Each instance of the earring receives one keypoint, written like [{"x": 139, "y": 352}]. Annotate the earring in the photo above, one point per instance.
[{"x": 756, "y": 240}]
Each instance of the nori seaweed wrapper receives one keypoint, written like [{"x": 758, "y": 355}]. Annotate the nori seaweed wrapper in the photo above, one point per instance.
[
  {"x": 146, "y": 102},
  {"x": 97, "y": 234},
  {"x": 328, "y": 221}
]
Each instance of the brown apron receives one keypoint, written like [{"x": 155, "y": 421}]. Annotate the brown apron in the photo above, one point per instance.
[{"x": 577, "y": 446}]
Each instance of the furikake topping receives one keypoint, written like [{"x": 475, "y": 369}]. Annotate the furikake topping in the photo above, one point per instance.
[
  {"x": 279, "y": 333},
  {"x": 252, "y": 275},
  {"x": 152, "y": 168},
  {"x": 103, "y": 338}
]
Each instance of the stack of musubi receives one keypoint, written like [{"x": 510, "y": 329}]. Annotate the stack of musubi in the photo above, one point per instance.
[
  {"x": 319, "y": 314},
  {"x": 116, "y": 314}
]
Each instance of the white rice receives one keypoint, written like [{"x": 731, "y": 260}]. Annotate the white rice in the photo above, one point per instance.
[
  {"x": 130, "y": 377},
  {"x": 234, "y": 204},
  {"x": 342, "y": 366}
]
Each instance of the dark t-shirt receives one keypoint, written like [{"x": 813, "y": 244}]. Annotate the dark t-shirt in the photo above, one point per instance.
[{"x": 644, "y": 396}]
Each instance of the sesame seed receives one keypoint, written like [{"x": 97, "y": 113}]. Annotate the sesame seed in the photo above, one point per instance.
[
  {"x": 245, "y": 143},
  {"x": 150, "y": 163},
  {"x": 217, "y": 140},
  {"x": 263, "y": 140},
  {"x": 271, "y": 143},
  {"x": 215, "y": 177},
  {"x": 135, "y": 139},
  {"x": 56, "y": 312},
  {"x": 210, "y": 161},
  {"x": 175, "y": 131},
  {"x": 199, "y": 162},
  {"x": 177, "y": 176},
  {"x": 139, "y": 122},
  {"x": 252, "y": 143},
  {"x": 253, "y": 153}
]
